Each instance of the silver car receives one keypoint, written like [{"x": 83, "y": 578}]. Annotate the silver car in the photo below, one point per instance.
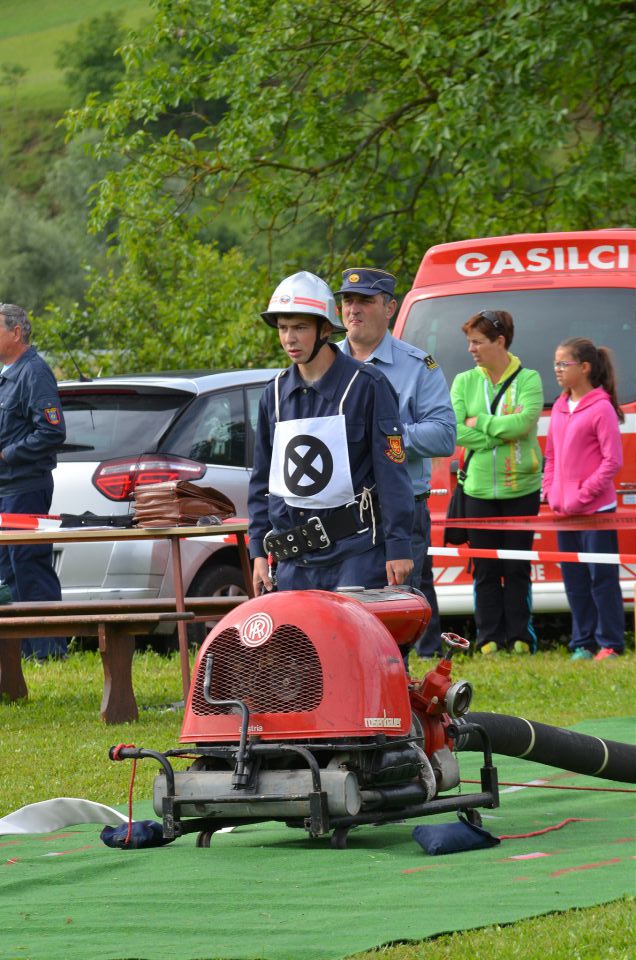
[{"x": 128, "y": 430}]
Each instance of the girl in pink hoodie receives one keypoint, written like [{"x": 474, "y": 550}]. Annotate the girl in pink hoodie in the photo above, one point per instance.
[{"x": 583, "y": 455}]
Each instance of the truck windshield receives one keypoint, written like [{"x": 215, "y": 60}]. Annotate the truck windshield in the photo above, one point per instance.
[{"x": 542, "y": 318}]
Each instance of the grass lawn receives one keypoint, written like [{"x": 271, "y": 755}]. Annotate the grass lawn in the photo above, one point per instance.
[
  {"x": 55, "y": 745},
  {"x": 31, "y": 31}
]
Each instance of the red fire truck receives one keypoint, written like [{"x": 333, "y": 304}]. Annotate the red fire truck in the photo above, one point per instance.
[{"x": 556, "y": 286}]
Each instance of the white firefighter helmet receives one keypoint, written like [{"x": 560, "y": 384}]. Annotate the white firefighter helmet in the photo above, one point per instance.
[{"x": 303, "y": 293}]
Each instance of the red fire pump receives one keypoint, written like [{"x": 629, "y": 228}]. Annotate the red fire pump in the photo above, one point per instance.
[{"x": 300, "y": 710}]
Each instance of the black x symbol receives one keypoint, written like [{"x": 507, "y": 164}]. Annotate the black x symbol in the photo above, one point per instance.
[{"x": 300, "y": 466}]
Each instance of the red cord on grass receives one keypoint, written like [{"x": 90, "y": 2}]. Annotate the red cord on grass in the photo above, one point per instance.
[
  {"x": 558, "y": 786},
  {"x": 537, "y": 833}
]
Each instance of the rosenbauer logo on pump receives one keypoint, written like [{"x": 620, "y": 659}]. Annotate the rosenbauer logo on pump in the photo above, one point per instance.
[
  {"x": 543, "y": 259},
  {"x": 256, "y": 630},
  {"x": 383, "y": 721}
]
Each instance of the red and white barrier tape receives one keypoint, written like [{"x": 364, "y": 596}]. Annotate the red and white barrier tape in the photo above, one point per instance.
[
  {"x": 27, "y": 521},
  {"x": 544, "y": 556},
  {"x": 22, "y": 521},
  {"x": 620, "y": 520}
]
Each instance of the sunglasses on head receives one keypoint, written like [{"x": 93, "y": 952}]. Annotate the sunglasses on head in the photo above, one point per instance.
[{"x": 492, "y": 317}]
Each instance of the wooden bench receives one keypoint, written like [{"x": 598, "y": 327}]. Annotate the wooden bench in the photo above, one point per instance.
[{"x": 115, "y": 623}]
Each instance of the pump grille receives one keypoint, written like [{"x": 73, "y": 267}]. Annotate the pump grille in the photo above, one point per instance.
[{"x": 284, "y": 675}]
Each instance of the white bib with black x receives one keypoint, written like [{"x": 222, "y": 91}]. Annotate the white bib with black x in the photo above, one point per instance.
[{"x": 310, "y": 460}]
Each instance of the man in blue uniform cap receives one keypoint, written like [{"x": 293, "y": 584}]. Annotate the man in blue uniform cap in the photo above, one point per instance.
[
  {"x": 31, "y": 430},
  {"x": 330, "y": 497},
  {"x": 426, "y": 413}
]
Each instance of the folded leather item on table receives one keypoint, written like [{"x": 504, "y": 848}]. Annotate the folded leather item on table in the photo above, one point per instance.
[{"x": 178, "y": 503}]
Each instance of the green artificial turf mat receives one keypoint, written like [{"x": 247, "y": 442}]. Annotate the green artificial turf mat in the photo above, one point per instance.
[{"x": 268, "y": 892}]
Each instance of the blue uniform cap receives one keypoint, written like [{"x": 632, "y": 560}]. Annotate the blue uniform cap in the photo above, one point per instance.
[{"x": 368, "y": 281}]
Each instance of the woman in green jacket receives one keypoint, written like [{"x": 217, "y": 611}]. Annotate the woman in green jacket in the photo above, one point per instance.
[{"x": 503, "y": 478}]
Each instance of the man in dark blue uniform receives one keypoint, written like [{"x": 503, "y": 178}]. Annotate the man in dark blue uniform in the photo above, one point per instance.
[
  {"x": 426, "y": 412},
  {"x": 330, "y": 497},
  {"x": 31, "y": 430}
]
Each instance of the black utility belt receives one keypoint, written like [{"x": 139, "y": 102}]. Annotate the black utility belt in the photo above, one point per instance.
[
  {"x": 318, "y": 533},
  {"x": 422, "y": 496}
]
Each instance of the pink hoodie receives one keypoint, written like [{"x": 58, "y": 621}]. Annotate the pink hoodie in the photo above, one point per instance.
[{"x": 583, "y": 454}]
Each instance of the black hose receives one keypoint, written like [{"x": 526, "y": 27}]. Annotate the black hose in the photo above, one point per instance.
[{"x": 529, "y": 740}]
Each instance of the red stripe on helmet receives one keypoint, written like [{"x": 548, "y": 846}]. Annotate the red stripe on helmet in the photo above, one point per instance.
[{"x": 308, "y": 302}]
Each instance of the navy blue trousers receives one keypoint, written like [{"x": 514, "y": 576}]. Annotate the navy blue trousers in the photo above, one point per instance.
[
  {"x": 430, "y": 642},
  {"x": 502, "y": 589},
  {"x": 594, "y": 592},
  {"x": 27, "y": 569},
  {"x": 366, "y": 569}
]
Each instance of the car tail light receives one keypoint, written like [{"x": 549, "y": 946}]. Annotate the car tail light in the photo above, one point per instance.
[{"x": 118, "y": 479}]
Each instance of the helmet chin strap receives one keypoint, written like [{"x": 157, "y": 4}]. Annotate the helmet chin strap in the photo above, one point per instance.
[{"x": 319, "y": 344}]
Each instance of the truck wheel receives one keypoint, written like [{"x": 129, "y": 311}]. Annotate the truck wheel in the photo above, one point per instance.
[{"x": 221, "y": 581}]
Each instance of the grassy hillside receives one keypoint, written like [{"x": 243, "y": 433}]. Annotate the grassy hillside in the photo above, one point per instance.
[{"x": 30, "y": 33}]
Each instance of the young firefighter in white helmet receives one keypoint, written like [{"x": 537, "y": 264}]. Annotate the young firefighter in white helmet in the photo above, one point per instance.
[{"x": 330, "y": 499}]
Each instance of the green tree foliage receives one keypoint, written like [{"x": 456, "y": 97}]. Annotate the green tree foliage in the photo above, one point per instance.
[
  {"x": 67, "y": 188},
  {"x": 45, "y": 240},
  {"x": 40, "y": 258},
  {"x": 90, "y": 62},
  {"x": 177, "y": 307},
  {"x": 11, "y": 75},
  {"x": 385, "y": 126}
]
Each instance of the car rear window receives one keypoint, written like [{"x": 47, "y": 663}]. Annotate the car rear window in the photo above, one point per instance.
[{"x": 104, "y": 424}]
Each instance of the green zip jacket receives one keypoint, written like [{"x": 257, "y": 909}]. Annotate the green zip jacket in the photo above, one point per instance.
[{"x": 507, "y": 458}]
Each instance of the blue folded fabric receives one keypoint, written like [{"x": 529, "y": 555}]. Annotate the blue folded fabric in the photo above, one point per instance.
[
  {"x": 453, "y": 837},
  {"x": 144, "y": 833}
]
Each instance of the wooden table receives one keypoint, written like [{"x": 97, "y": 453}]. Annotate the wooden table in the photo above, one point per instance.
[{"x": 174, "y": 534}]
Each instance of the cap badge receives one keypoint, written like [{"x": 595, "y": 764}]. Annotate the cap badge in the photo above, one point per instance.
[{"x": 353, "y": 278}]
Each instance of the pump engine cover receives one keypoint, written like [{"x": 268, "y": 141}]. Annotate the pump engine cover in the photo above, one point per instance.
[{"x": 308, "y": 665}]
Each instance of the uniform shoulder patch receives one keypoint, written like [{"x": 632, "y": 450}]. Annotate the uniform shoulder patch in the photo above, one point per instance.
[
  {"x": 395, "y": 451},
  {"x": 431, "y": 362},
  {"x": 53, "y": 416}
]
